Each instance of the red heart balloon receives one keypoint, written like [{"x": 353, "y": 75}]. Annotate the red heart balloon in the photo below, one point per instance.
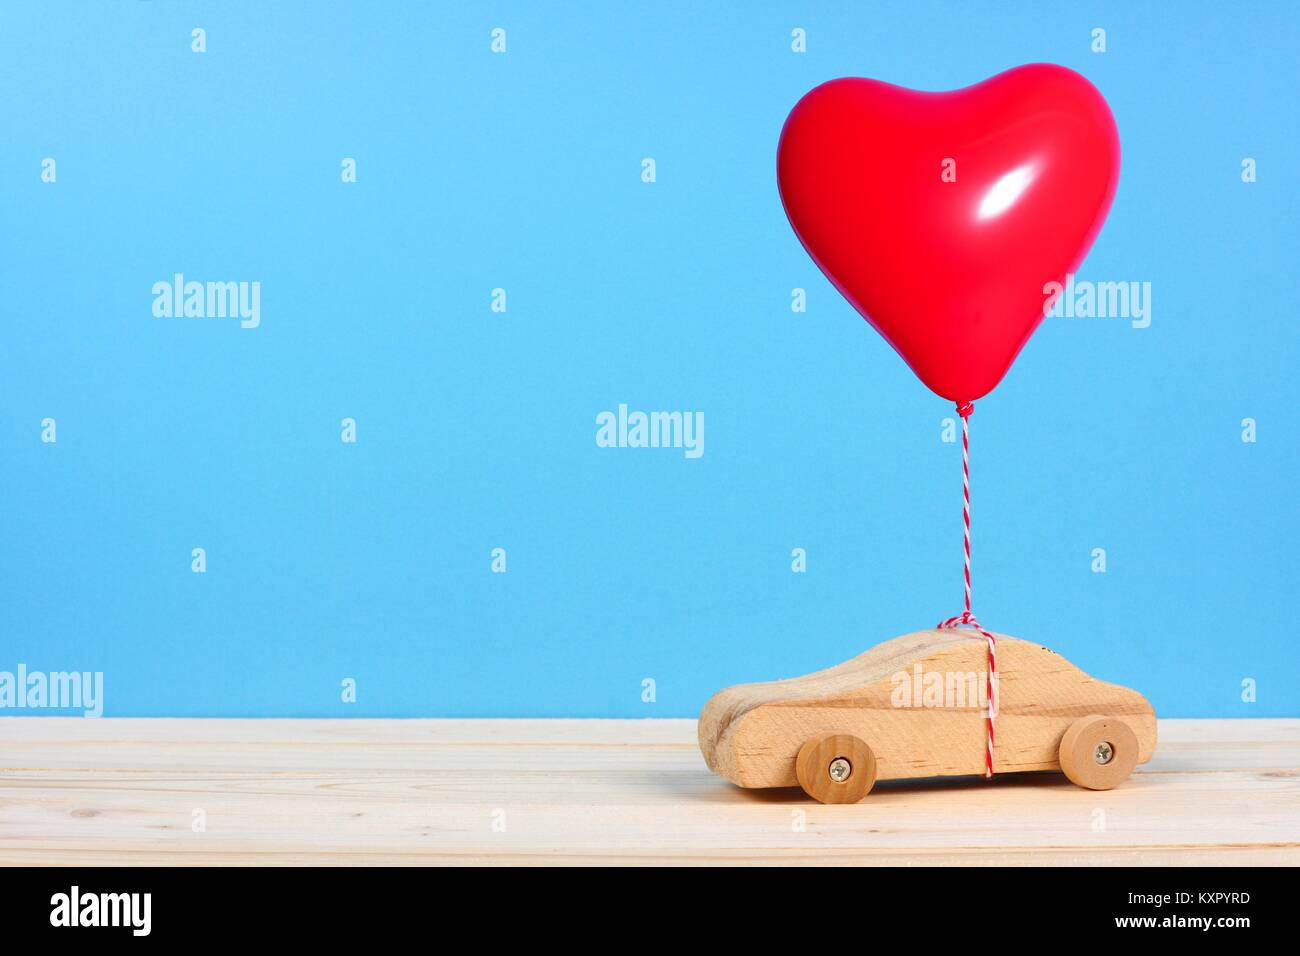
[{"x": 942, "y": 216}]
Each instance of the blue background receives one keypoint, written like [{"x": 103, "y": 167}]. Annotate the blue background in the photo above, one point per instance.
[{"x": 477, "y": 430}]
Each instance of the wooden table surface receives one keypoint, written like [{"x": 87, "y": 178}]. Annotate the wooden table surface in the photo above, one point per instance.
[{"x": 243, "y": 792}]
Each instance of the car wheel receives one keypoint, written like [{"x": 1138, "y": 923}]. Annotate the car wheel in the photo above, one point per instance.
[
  {"x": 835, "y": 768},
  {"x": 1098, "y": 752}
]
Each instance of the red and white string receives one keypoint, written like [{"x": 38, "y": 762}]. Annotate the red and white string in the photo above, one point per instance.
[{"x": 966, "y": 618}]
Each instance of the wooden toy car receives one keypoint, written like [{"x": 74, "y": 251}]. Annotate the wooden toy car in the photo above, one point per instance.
[{"x": 913, "y": 707}]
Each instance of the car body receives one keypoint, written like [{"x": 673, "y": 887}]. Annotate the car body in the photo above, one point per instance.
[{"x": 910, "y": 701}]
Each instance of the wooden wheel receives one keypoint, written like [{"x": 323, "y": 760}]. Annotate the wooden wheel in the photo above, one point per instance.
[
  {"x": 1098, "y": 752},
  {"x": 835, "y": 768}
]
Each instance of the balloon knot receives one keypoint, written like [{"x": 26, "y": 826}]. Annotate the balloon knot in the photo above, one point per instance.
[{"x": 965, "y": 408}]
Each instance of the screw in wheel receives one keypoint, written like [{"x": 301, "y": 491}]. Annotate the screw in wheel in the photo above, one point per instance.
[
  {"x": 1098, "y": 752},
  {"x": 835, "y": 768}
]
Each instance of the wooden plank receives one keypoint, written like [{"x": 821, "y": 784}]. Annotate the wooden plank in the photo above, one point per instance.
[{"x": 122, "y": 791}]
